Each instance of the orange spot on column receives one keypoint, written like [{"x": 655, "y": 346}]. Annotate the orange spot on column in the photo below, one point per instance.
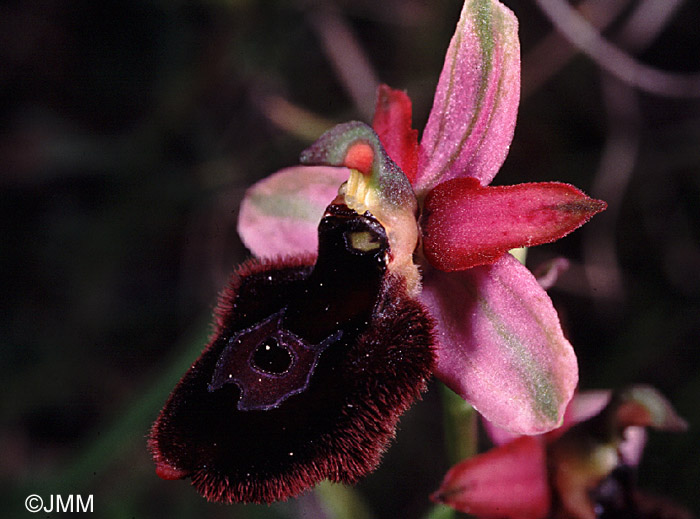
[{"x": 360, "y": 157}]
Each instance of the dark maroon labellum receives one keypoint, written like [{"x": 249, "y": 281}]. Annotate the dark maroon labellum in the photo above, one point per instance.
[
  {"x": 268, "y": 363},
  {"x": 306, "y": 376}
]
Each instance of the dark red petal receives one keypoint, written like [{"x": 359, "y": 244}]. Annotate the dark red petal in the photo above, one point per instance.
[
  {"x": 507, "y": 482},
  {"x": 465, "y": 224},
  {"x": 392, "y": 122}
]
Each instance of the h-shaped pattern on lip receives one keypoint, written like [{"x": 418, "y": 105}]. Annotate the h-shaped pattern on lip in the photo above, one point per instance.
[{"x": 290, "y": 361}]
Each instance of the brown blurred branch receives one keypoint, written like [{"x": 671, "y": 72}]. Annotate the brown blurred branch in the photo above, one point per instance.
[
  {"x": 347, "y": 57},
  {"x": 554, "y": 51},
  {"x": 581, "y": 33}
]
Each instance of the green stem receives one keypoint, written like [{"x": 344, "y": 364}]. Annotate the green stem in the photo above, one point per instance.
[
  {"x": 342, "y": 501},
  {"x": 441, "y": 512},
  {"x": 461, "y": 437}
]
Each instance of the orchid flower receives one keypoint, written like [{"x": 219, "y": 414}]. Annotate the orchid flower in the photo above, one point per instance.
[
  {"x": 500, "y": 345},
  {"x": 359, "y": 293},
  {"x": 579, "y": 471}
]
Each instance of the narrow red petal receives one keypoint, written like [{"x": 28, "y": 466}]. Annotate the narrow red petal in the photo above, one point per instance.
[
  {"x": 466, "y": 225},
  {"x": 509, "y": 481},
  {"x": 392, "y": 122}
]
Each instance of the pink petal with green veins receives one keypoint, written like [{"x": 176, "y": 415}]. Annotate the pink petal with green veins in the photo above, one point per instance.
[
  {"x": 279, "y": 215},
  {"x": 473, "y": 117},
  {"x": 466, "y": 224},
  {"x": 583, "y": 406},
  {"x": 500, "y": 345}
]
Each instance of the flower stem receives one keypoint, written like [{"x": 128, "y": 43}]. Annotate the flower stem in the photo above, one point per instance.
[
  {"x": 460, "y": 426},
  {"x": 342, "y": 501}
]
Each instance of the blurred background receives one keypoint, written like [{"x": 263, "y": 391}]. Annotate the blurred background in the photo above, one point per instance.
[{"x": 129, "y": 131}]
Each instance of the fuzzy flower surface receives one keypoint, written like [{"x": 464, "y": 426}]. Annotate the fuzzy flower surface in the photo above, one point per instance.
[
  {"x": 499, "y": 342},
  {"x": 379, "y": 262}
]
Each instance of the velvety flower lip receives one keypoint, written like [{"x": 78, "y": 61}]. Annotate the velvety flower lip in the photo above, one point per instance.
[
  {"x": 328, "y": 338},
  {"x": 499, "y": 342},
  {"x": 286, "y": 393},
  {"x": 281, "y": 368}
]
